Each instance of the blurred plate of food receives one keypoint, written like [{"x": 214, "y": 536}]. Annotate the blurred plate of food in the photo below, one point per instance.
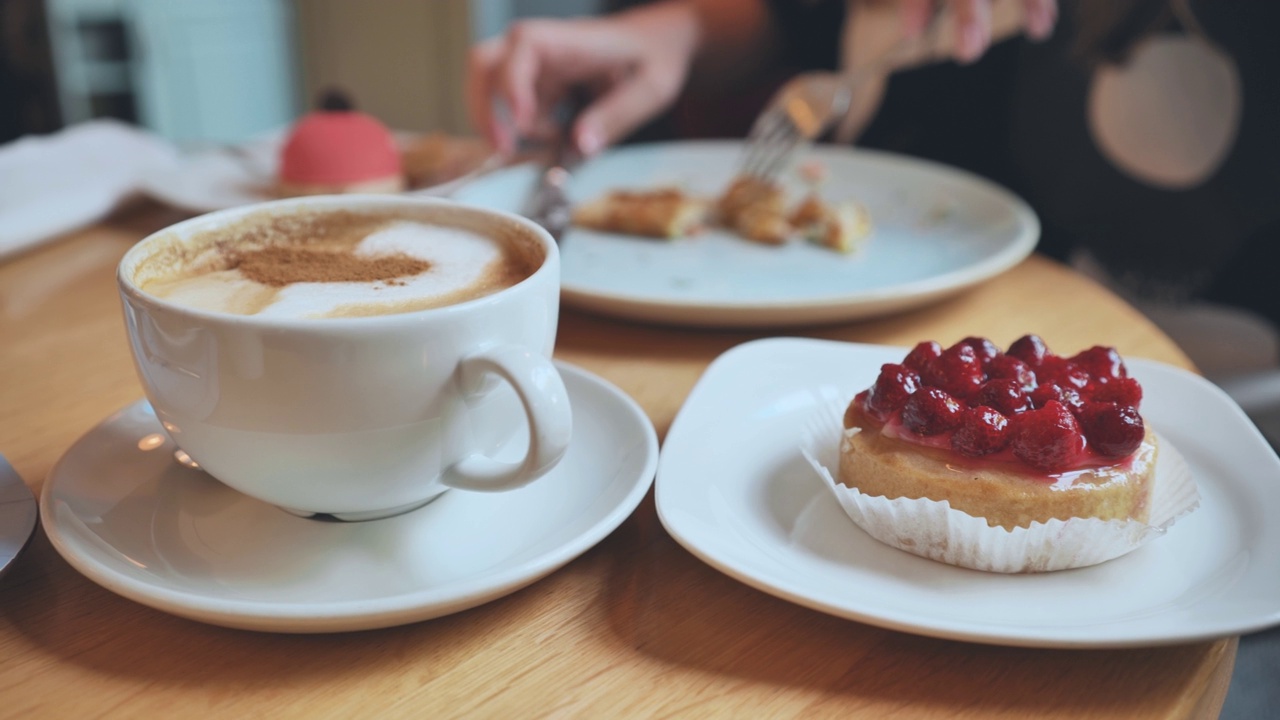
[
  {"x": 216, "y": 178},
  {"x": 669, "y": 233}
]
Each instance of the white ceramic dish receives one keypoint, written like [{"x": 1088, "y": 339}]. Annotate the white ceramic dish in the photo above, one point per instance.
[
  {"x": 733, "y": 488},
  {"x": 124, "y": 513},
  {"x": 221, "y": 178},
  {"x": 938, "y": 230},
  {"x": 17, "y": 515}
]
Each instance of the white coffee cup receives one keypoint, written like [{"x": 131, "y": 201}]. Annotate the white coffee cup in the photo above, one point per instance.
[{"x": 365, "y": 417}]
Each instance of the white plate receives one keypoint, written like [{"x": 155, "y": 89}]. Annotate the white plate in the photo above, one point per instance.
[
  {"x": 937, "y": 230},
  {"x": 733, "y": 489},
  {"x": 123, "y": 512},
  {"x": 217, "y": 179}
]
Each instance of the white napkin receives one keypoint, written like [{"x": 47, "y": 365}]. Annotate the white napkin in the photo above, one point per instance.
[{"x": 53, "y": 184}]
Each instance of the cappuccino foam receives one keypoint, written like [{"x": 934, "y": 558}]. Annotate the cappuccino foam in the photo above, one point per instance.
[{"x": 356, "y": 266}]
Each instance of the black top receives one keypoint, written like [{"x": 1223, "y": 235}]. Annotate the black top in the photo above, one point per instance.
[{"x": 1018, "y": 117}]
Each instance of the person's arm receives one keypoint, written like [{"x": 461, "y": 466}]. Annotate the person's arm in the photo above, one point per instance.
[
  {"x": 637, "y": 61},
  {"x": 634, "y": 62},
  {"x": 737, "y": 40}
]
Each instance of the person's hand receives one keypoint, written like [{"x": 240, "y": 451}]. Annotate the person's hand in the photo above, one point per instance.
[
  {"x": 633, "y": 65},
  {"x": 973, "y": 22}
]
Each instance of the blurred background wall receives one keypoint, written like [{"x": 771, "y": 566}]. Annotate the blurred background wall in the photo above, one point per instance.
[
  {"x": 205, "y": 71},
  {"x": 28, "y": 93}
]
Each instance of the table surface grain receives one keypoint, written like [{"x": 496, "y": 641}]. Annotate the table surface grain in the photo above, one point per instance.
[{"x": 635, "y": 627}]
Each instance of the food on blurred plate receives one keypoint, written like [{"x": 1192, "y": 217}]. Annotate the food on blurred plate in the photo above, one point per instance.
[
  {"x": 756, "y": 209},
  {"x": 841, "y": 226},
  {"x": 750, "y": 207},
  {"x": 1012, "y": 437},
  {"x": 336, "y": 149},
  {"x": 437, "y": 158},
  {"x": 663, "y": 213}
]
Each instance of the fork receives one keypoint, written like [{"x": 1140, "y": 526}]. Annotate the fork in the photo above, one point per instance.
[
  {"x": 548, "y": 204},
  {"x": 811, "y": 102}
]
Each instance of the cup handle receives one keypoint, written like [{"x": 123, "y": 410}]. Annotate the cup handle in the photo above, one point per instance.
[{"x": 546, "y": 407}]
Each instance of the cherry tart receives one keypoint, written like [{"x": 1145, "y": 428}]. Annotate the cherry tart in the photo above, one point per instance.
[{"x": 1015, "y": 437}]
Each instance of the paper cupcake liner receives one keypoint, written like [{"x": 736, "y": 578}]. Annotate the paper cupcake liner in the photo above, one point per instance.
[{"x": 933, "y": 529}]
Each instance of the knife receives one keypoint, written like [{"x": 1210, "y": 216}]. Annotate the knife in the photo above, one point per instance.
[
  {"x": 17, "y": 514},
  {"x": 548, "y": 203}
]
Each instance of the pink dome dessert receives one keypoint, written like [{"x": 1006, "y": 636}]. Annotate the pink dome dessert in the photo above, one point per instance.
[{"x": 337, "y": 149}]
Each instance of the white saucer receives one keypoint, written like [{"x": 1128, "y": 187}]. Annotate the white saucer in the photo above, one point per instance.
[
  {"x": 124, "y": 513},
  {"x": 17, "y": 515},
  {"x": 733, "y": 488}
]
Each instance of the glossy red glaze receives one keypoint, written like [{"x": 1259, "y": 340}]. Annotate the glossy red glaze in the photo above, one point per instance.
[
  {"x": 930, "y": 426},
  {"x": 1085, "y": 459}
]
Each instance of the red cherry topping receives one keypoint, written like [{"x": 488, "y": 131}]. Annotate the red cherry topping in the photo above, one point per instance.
[
  {"x": 1114, "y": 431},
  {"x": 1121, "y": 391},
  {"x": 982, "y": 347},
  {"x": 1010, "y": 367},
  {"x": 1030, "y": 349},
  {"x": 1068, "y": 396},
  {"x": 957, "y": 370},
  {"x": 930, "y": 412},
  {"x": 1101, "y": 362},
  {"x": 1048, "y": 439},
  {"x": 1045, "y": 393},
  {"x": 922, "y": 355},
  {"x": 982, "y": 431},
  {"x": 1062, "y": 373},
  {"x": 1005, "y": 395},
  {"x": 891, "y": 389},
  {"x": 1050, "y": 412},
  {"x": 1072, "y": 399}
]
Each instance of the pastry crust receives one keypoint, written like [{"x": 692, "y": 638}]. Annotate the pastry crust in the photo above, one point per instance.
[
  {"x": 437, "y": 158},
  {"x": 842, "y": 226},
  {"x": 662, "y": 213},
  {"x": 752, "y": 208},
  {"x": 756, "y": 209},
  {"x": 1006, "y": 495}
]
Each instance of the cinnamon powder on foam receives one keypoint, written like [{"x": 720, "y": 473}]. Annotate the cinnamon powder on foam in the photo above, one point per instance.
[{"x": 279, "y": 266}]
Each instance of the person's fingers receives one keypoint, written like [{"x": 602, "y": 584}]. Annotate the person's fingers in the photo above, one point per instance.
[
  {"x": 482, "y": 64},
  {"x": 624, "y": 107},
  {"x": 973, "y": 22},
  {"x": 541, "y": 61},
  {"x": 1040, "y": 17},
  {"x": 915, "y": 16},
  {"x": 518, "y": 70},
  {"x": 973, "y": 28}
]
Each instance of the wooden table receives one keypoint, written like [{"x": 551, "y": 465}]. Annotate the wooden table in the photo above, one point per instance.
[{"x": 635, "y": 627}]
